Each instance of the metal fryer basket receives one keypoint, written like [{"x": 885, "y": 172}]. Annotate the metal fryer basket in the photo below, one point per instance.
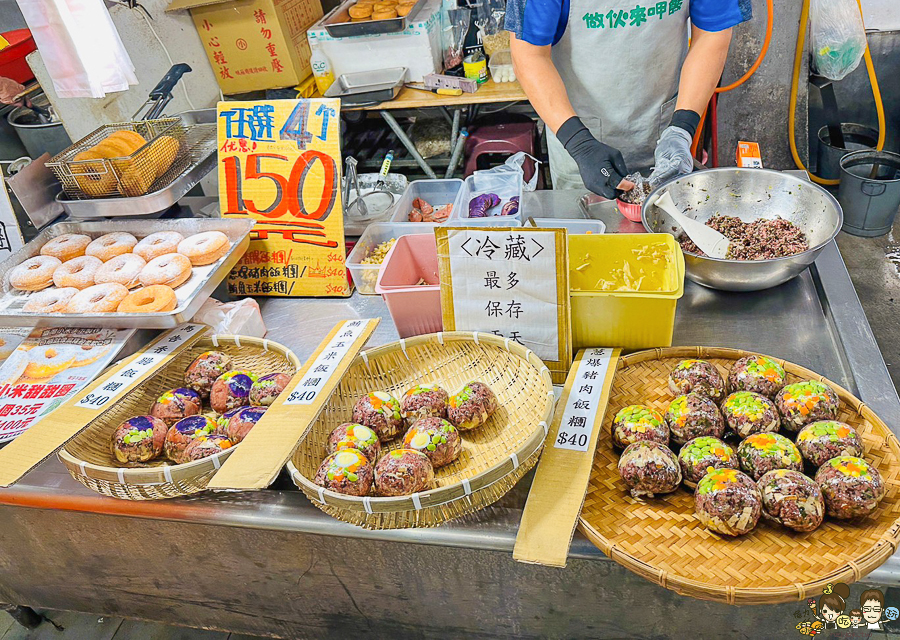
[{"x": 109, "y": 177}]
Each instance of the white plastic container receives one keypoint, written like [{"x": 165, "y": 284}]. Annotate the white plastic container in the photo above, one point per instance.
[
  {"x": 365, "y": 276},
  {"x": 572, "y": 226},
  {"x": 501, "y": 67},
  {"x": 437, "y": 193}
]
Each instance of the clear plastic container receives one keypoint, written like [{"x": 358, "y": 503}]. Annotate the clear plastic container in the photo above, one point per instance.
[
  {"x": 628, "y": 319},
  {"x": 505, "y": 184},
  {"x": 415, "y": 308},
  {"x": 437, "y": 193},
  {"x": 501, "y": 67},
  {"x": 572, "y": 226},
  {"x": 365, "y": 276}
]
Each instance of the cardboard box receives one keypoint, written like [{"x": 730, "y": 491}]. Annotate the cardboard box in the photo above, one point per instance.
[
  {"x": 418, "y": 47},
  {"x": 254, "y": 44}
]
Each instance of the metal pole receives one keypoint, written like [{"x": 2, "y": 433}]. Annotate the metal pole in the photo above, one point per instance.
[
  {"x": 454, "y": 129},
  {"x": 457, "y": 153},
  {"x": 395, "y": 127}
]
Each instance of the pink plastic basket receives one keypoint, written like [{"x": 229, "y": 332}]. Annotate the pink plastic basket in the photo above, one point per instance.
[{"x": 415, "y": 308}]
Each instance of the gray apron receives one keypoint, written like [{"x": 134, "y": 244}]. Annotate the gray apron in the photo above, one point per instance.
[{"x": 621, "y": 73}]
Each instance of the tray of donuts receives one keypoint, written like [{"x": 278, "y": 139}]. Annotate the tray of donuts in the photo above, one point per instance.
[
  {"x": 370, "y": 17},
  {"x": 169, "y": 435},
  {"x": 120, "y": 273}
]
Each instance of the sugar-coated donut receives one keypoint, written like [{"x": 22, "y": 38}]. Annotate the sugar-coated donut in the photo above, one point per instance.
[
  {"x": 78, "y": 272},
  {"x": 100, "y": 298},
  {"x": 152, "y": 299},
  {"x": 111, "y": 245},
  {"x": 34, "y": 274},
  {"x": 50, "y": 301},
  {"x": 66, "y": 246},
  {"x": 124, "y": 269},
  {"x": 158, "y": 244},
  {"x": 204, "y": 248},
  {"x": 172, "y": 269}
]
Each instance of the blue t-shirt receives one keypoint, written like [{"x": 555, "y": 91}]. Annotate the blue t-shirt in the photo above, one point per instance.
[{"x": 543, "y": 22}]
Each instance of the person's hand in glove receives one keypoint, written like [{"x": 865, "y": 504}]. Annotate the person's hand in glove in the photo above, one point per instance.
[
  {"x": 602, "y": 167},
  {"x": 673, "y": 150}
]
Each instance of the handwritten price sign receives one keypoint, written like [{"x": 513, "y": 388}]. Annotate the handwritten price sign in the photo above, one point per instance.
[{"x": 279, "y": 163}]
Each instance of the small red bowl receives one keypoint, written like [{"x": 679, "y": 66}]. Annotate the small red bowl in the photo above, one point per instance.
[{"x": 630, "y": 211}]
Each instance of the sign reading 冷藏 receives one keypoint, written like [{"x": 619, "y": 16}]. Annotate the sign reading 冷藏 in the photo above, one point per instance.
[{"x": 279, "y": 163}]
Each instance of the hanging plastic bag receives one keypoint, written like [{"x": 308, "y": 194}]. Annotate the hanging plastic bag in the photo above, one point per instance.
[{"x": 837, "y": 36}]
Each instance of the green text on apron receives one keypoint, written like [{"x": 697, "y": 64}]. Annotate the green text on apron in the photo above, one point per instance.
[{"x": 621, "y": 68}]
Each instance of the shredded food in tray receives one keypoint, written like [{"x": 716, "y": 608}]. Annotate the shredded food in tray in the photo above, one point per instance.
[
  {"x": 378, "y": 254},
  {"x": 758, "y": 240}
]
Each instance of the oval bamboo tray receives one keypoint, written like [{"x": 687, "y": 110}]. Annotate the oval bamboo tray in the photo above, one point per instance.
[
  {"x": 494, "y": 456},
  {"x": 662, "y": 540},
  {"x": 89, "y": 460}
]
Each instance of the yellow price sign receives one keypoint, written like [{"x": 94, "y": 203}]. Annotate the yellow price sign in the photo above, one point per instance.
[{"x": 279, "y": 163}]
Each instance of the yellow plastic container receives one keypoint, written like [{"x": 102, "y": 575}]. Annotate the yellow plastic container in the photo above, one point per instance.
[{"x": 629, "y": 319}]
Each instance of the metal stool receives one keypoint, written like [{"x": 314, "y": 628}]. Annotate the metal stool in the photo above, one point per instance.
[{"x": 506, "y": 139}]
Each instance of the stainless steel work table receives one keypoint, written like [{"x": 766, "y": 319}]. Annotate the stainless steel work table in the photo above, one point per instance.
[{"x": 271, "y": 563}]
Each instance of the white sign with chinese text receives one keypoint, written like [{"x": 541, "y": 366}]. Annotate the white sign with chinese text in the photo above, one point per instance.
[
  {"x": 325, "y": 365},
  {"x": 505, "y": 282},
  {"x": 584, "y": 401},
  {"x": 119, "y": 383},
  {"x": 50, "y": 366}
]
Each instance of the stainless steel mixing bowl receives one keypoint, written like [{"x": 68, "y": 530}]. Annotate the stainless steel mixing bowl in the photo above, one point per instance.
[{"x": 748, "y": 194}]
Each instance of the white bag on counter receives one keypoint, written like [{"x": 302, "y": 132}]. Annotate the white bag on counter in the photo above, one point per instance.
[{"x": 240, "y": 318}]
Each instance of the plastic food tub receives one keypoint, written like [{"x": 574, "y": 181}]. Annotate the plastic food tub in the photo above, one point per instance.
[
  {"x": 628, "y": 319},
  {"x": 415, "y": 308},
  {"x": 501, "y": 67},
  {"x": 492, "y": 221},
  {"x": 365, "y": 276},
  {"x": 437, "y": 193},
  {"x": 505, "y": 184},
  {"x": 574, "y": 227}
]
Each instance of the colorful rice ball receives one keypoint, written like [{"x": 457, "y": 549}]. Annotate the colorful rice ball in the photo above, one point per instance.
[
  {"x": 748, "y": 412},
  {"x": 267, "y": 388},
  {"x": 762, "y": 452},
  {"x": 852, "y": 487},
  {"x": 700, "y": 455},
  {"x": 792, "y": 500},
  {"x": 693, "y": 415},
  {"x": 638, "y": 422},
  {"x": 380, "y": 412},
  {"x": 728, "y": 502},
  {"x": 138, "y": 439},
  {"x": 354, "y": 436},
  {"x": 231, "y": 389},
  {"x": 759, "y": 374},
  {"x": 804, "y": 402},
  {"x": 436, "y": 438},
  {"x": 472, "y": 406},
  {"x": 697, "y": 375},
  {"x": 346, "y": 471}
]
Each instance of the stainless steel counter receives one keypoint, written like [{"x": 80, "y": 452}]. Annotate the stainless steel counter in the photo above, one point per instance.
[{"x": 815, "y": 320}]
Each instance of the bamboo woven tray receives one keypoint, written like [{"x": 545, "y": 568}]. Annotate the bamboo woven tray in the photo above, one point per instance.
[
  {"x": 494, "y": 457},
  {"x": 89, "y": 460},
  {"x": 662, "y": 540}
]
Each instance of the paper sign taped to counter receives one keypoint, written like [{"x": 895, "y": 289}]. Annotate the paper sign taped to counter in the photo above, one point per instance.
[
  {"x": 280, "y": 164},
  {"x": 511, "y": 282}
]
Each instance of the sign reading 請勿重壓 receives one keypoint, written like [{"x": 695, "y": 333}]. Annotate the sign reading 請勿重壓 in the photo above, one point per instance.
[
  {"x": 511, "y": 282},
  {"x": 279, "y": 163}
]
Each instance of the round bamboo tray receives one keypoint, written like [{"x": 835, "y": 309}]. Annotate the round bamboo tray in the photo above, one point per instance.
[
  {"x": 662, "y": 540},
  {"x": 494, "y": 457},
  {"x": 89, "y": 459}
]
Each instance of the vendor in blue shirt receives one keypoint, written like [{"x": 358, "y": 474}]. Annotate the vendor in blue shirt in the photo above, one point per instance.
[{"x": 616, "y": 85}]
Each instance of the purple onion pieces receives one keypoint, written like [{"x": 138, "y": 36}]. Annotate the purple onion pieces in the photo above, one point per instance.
[
  {"x": 510, "y": 208},
  {"x": 479, "y": 205}
]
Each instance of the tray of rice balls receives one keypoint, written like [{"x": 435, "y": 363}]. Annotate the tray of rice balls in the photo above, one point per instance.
[
  {"x": 742, "y": 478},
  {"x": 170, "y": 434},
  {"x": 120, "y": 273},
  {"x": 425, "y": 430}
]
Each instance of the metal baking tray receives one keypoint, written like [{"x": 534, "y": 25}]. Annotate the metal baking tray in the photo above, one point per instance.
[
  {"x": 338, "y": 24},
  {"x": 368, "y": 87},
  {"x": 200, "y": 136},
  {"x": 191, "y": 295}
]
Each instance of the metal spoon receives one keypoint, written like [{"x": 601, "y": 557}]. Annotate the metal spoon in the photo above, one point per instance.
[{"x": 710, "y": 241}]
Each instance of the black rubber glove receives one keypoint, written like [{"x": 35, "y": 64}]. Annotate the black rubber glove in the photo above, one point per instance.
[{"x": 601, "y": 166}]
